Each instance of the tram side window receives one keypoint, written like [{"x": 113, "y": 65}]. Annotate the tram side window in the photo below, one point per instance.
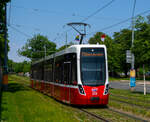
[
  {"x": 65, "y": 74},
  {"x": 74, "y": 73},
  {"x": 50, "y": 73},
  {"x": 66, "y": 69},
  {"x": 47, "y": 71},
  {"x": 40, "y": 71},
  {"x": 58, "y": 72},
  {"x": 74, "y": 69},
  {"x": 70, "y": 70},
  {"x": 35, "y": 73},
  {"x": 32, "y": 72}
]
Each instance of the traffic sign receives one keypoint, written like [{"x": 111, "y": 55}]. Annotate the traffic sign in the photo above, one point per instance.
[
  {"x": 103, "y": 37},
  {"x": 128, "y": 56}
]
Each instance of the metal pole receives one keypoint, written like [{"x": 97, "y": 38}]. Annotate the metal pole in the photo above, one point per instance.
[
  {"x": 132, "y": 64},
  {"x": 66, "y": 39},
  {"x": 144, "y": 80},
  {"x": 45, "y": 51},
  {"x": 5, "y": 77}
]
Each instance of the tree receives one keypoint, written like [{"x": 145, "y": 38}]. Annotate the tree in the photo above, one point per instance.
[
  {"x": 19, "y": 66},
  {"x": 123, "y": 42},
  {"x": 36, "y": 47},
  {"x": 141, "y": 47},
  {"x": 2, "y": 29}
]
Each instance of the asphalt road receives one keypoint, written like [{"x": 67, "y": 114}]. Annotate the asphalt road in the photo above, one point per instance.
[{"x": 125, "y": 85}]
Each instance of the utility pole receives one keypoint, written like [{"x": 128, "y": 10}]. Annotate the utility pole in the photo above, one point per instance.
[
  {"x": 45, "y": 51},
  {"x": 144, "y": 80},
  {"x": 132, "y": 64},
  {"x": 66, "y": 39},
  {"x": 5, "y": 77},
  {"x": 132, "y": 71}
]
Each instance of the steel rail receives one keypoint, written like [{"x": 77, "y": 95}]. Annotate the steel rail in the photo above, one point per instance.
[
  {"x": 127, "y": 115},
  {"x": 131, "y": 98},
  {"x": 94, "y": 115},
  {"x": 132, "y": 104}
]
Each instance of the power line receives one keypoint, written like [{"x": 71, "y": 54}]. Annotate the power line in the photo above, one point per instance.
[
  {"x": 45, "y": 11},
  {"x": 116, "y": 24},
  {"x": 94, "y": 13},
  {"x": 20, "y": 25},
  {"x": 20, "y": 31},
  {"x": 97, "y": 11}
]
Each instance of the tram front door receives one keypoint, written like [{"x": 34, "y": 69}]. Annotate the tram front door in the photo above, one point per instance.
[{"x": 67, "y": 79}]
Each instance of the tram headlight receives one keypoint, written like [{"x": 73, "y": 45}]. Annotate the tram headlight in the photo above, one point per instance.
[
  {"x": 106, "y": 89},
  {"x": 81, "y": 90}
]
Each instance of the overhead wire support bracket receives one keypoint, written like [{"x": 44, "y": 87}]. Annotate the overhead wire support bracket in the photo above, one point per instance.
[{"x": 82, "y": 33}]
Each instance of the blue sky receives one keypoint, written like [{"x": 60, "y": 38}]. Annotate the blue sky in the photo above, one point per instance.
[{"x": 48, "y": 17}]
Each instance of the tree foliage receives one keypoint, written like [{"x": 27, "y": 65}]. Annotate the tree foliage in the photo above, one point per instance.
[
  {"x": 141, "y": 47},
  {"x": 36, "y": 47},
  {"x": 123, "y": 42},
  {"x": 2, "y": 29},
  {"x": 19, "y": 66}
]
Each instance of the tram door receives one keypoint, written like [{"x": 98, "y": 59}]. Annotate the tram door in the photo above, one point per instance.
[{"x": 67, "y": 80}]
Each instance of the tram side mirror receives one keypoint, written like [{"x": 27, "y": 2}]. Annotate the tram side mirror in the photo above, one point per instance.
[{"x": 106, "y": 89}]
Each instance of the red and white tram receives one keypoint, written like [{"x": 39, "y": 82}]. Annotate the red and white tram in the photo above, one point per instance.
[{"x": 77, "y": 75}]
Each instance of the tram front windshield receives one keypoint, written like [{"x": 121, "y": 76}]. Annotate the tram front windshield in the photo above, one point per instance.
[{"x": 93, "y": 66}]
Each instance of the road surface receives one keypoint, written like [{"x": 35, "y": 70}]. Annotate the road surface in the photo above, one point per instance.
[{"x": 125, "y": 85}]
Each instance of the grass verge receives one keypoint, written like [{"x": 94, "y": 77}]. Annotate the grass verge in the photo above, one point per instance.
[
  {"x": 133, "y": 98},
  {"x": 22, "y": 104}
]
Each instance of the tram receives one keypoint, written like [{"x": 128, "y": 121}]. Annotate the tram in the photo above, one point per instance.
[{"x": 77, "y": 75}]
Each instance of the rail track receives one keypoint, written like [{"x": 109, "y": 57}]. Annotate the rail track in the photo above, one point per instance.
[
  {"x": 131, "y": 104},
  {"x": 98, "y": 117},
  {"x": 128, "y": 115}
]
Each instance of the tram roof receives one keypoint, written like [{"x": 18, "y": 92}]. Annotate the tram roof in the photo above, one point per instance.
[{"x": 71, "y": 49}]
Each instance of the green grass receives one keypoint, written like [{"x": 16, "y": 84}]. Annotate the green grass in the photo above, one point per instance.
[
  {"x": 130, "y": 109},
  {"x": 139, "y": 102},
  {"x": 22, "y": 104},
  {"x": 131, "y": 94},
  {"x": 136, "y": 98},
  {"x": 117, "y": 79}
]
